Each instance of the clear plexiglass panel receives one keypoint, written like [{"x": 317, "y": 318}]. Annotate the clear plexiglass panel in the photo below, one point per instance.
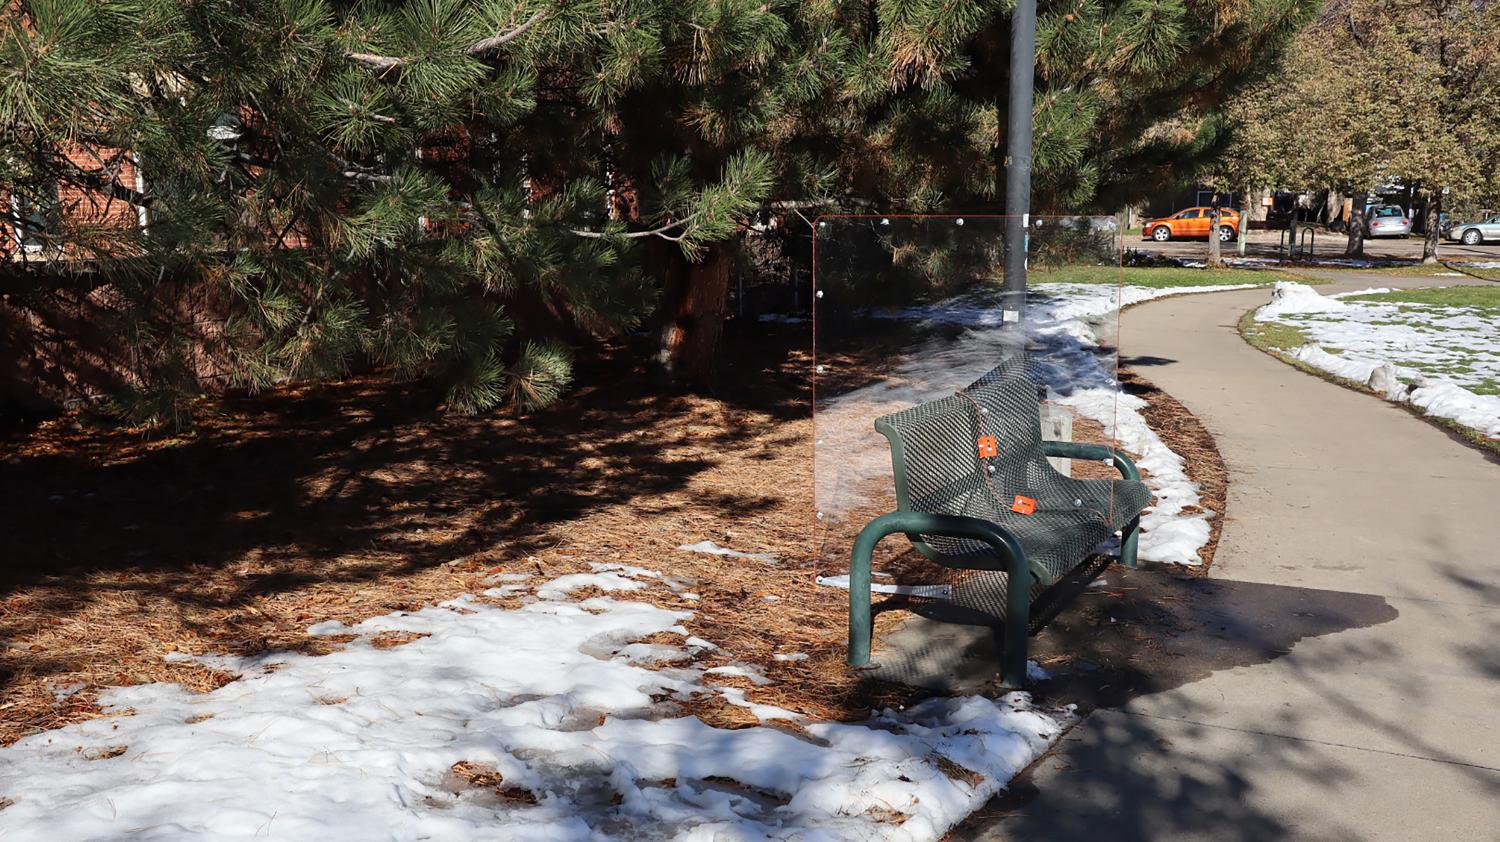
[{"x": 910, "y": 310}]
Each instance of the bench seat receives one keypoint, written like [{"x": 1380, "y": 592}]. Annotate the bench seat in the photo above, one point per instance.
[{"x": 956, "y": 502}]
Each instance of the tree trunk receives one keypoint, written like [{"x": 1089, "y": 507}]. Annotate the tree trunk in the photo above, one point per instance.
[
  {"x": 692, "y": 312},
  {"x": 1432, "y": 218},
  {"x": 1215, "y": 247},
  {"x": 1356, "y": 226},
  {"x": 1244, "y": 233}
]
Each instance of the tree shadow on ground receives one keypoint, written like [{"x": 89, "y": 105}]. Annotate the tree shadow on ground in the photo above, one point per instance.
[{"x": 356, "y": 482}]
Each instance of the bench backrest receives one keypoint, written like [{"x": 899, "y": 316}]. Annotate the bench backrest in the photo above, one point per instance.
[{"x": 936, "y": 462}]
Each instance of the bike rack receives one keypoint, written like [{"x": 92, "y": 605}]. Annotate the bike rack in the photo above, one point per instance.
[
  {"x": 1297, "y": 244},
  {"x": 1307, "y": 241}
]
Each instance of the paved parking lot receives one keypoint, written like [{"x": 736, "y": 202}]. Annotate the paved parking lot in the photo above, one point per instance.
[{"x": 1326, "y": 244}]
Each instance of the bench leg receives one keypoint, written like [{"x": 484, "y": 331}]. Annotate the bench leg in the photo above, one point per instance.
[
  {"x": 1017, "y": 620},
  {"x": 1128, "y": 543},
  {"x": 861, "y": 624},
  {"x": 1018, "y": 586}
]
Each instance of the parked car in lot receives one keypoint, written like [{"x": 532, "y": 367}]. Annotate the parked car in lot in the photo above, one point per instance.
[
  {"x": 1475, "y": 233},
  {"x": 1387, "y": 221},
  {"x": 1190, "y": 223}
]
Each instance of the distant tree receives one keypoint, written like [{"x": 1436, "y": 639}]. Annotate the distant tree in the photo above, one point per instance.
[
  {"x": 1379, "y": 90},
  {"x": 1441, "y": 59}
]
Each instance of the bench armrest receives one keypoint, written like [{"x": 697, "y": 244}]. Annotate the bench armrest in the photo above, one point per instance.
[
  {"x": 1079, "y": 450},
  {"x": 1001, "y": 540},
  {"x": 1130, "y": 536}
]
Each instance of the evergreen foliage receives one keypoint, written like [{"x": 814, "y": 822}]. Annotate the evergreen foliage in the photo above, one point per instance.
[{"x": 458, "y": 190}]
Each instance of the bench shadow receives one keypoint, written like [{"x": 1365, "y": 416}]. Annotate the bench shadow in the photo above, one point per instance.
[
  {"x": 1145, "y": 360},
  {"x": 1128, "y": 634},
  {"x": 1123, "y": 635}
]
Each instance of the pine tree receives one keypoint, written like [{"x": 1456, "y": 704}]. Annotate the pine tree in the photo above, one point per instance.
[
  {"x": 458, "y": 190},
  {"x": 899, "y": 105},
  {"x": 340, "y": 181}
]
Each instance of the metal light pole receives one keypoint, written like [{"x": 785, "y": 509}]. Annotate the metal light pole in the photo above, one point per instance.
[{"x": 1018, "y": 168}]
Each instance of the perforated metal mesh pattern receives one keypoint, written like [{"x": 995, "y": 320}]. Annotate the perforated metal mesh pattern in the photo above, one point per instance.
[{"x": 945, "y": 474}]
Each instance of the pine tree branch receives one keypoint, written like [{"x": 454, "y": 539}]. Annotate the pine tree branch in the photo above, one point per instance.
[
  {"x": 374, "y": 62},
  {"x": 385, "y": 64},
  {"x": 506, "y": 37},
  {"x": 358, "y": 172},
  {"x": 373, "y": 178},
  {"x": 654, "y": 232},
  {"x": 808, "y": 204}
]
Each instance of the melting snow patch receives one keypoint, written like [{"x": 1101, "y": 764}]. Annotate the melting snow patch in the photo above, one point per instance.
[
  {"x": 1291, "y": 297},
  {"x": 927, "y": 591},
  {"x": 1421, "y": 354},
  {"x": 552, "y": 702},
  {"x": 61, "y": 692},
  {"x": 711, "y": 548},
  {"x": 745, "y": 671},
  {"x": 606, "y": 577},
  {"x": 607, "y": 582}
]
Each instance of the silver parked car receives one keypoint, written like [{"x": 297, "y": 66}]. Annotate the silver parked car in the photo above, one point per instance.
[
  {"x": 1387, "y": 221},
  {"x": 1476, "y": 233}
]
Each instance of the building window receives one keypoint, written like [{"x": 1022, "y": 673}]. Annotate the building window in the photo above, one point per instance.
[{"x": 34, "y": 216}]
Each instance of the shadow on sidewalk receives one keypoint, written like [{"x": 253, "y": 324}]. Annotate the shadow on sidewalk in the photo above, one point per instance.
[{"x": 1134, "y": 633}]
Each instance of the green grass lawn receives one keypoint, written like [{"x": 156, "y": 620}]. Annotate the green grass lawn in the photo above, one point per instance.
[
  {"x": 1273, "y": 336},
  {"x": 1439, "y": 270},
  {"x": 1483, "y": 298},
  {"x": 1160, "y": 277}
]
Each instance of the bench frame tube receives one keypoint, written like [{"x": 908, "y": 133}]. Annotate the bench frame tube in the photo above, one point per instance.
[{"x": 1006, "y": 547}]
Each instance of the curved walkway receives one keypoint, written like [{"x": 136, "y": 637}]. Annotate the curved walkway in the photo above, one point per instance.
[{"x": 1383, "y": 731}]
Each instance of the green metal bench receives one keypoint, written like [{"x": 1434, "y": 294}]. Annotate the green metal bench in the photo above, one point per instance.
[{"x": 955, "y": 505}]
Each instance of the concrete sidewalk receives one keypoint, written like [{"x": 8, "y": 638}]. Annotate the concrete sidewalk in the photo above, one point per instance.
[{"x": 1380, "y": 730}]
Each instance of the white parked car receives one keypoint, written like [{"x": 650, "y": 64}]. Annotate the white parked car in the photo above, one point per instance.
[
  {"x": 1387, "y": 221},
  {"x": 1476, "y": 233}
]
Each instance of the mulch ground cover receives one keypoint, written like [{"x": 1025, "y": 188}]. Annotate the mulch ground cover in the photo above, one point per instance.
[{"x": 360, "y": 498}]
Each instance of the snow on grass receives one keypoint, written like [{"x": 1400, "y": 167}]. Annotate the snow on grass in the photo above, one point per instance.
[
  {"x": 547, "y": 722},
  {"x": 1443, "y": 359},
  {"x": 1067, "y": 323},
  {"x": 1237, "y": 262}
]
